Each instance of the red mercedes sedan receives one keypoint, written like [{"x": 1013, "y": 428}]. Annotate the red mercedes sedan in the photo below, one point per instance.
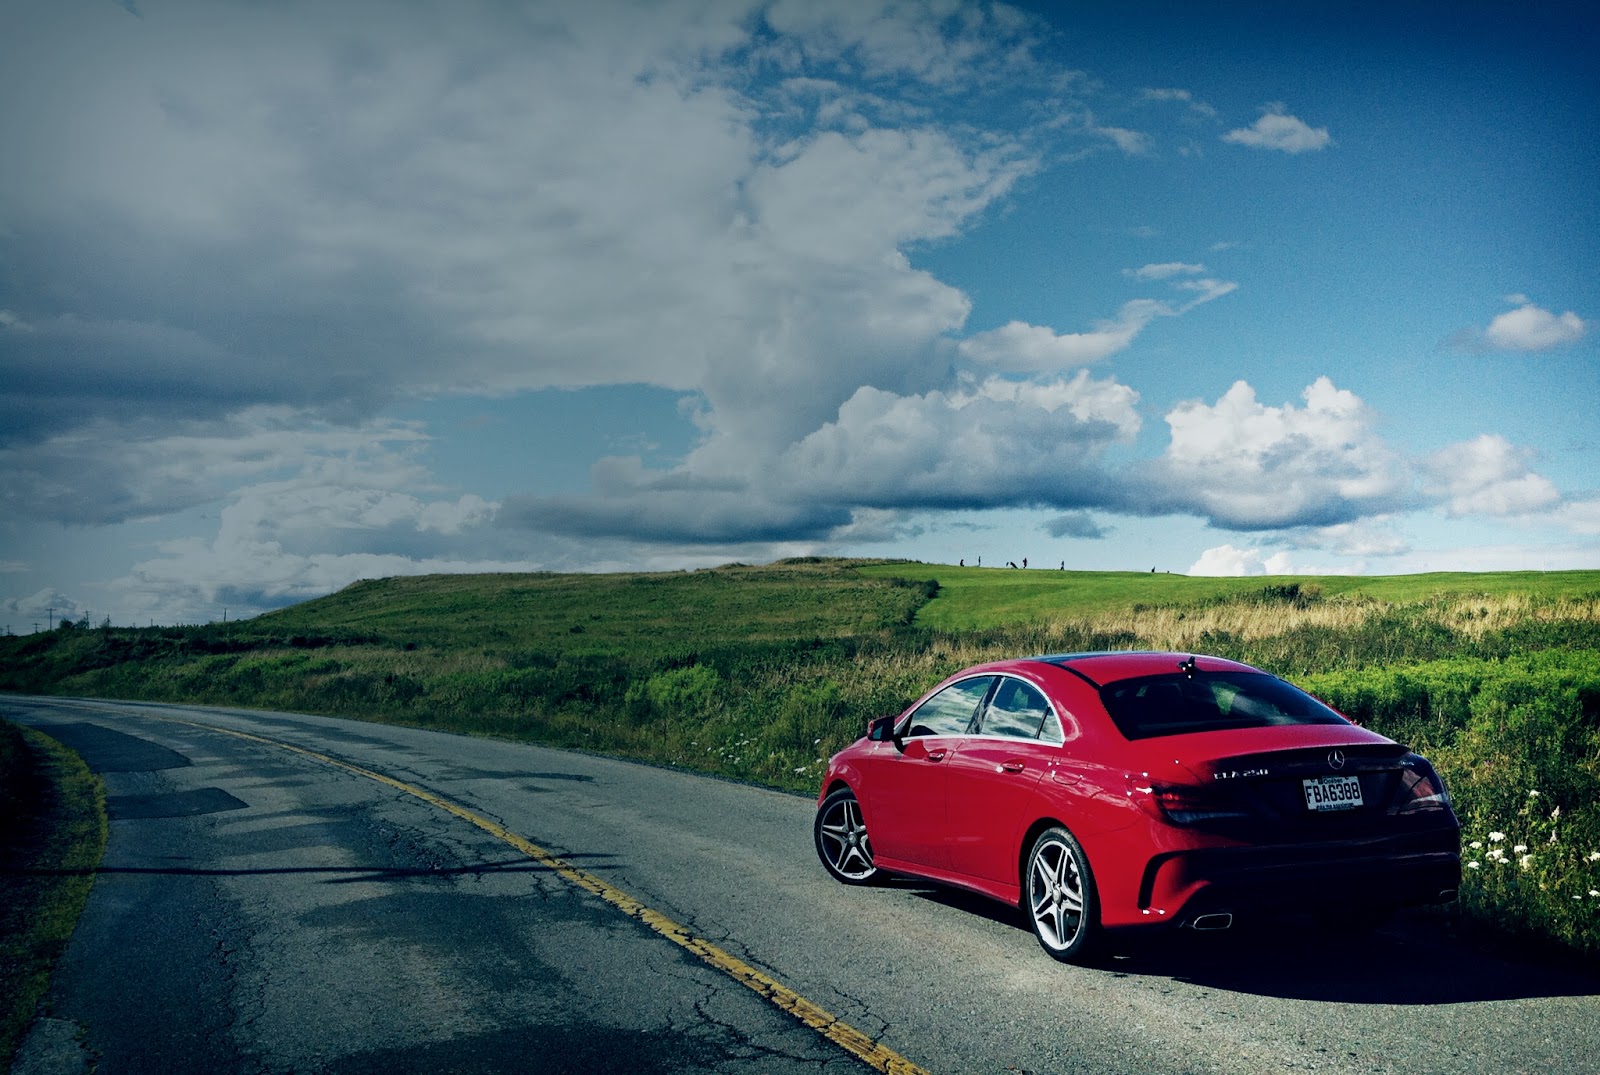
[{"x": 1113, "y": 791}]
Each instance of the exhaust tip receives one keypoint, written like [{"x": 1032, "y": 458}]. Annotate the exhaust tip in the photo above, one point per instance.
[
  {"x": 1448, "y": 895},
  {"x": 1211, "y": 922}
]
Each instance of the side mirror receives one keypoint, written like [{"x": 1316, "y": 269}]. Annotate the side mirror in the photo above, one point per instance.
[{"x": 881, "y": 730}]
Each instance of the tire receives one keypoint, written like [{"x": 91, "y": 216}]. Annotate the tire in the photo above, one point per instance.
[
  {"x": 1059, "y": 898},
  {"x": 841, "y": 837}
]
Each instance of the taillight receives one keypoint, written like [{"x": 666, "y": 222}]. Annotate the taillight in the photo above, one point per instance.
[
  {"x": 1181, "y": 804},
  {"x": 1421, "y": 789}
]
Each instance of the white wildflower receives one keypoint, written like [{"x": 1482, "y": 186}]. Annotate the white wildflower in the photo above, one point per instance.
[
  {"x": 1594, "y": 856},
  {"x": 1520, "y": 849},
  {"x": 1474, "y": 865},
  {"x": 1477, "y": 845},
  {"x": 1534, "y": 794},
  {"x": 1526, "y": 862},
  {"x": 1496, "y": 837},
  {"x": 1594, "y": 895},
  {"x": 1555, "y": 815}
]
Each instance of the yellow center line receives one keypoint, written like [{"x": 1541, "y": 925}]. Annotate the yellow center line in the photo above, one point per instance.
[{"x": 823, "y": 1022}]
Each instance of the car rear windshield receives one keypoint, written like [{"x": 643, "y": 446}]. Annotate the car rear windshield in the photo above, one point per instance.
[{"x": 1179, "y": 703}]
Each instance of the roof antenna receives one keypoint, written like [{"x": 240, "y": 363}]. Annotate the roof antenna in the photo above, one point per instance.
[{"x": 1186, "y": 666}]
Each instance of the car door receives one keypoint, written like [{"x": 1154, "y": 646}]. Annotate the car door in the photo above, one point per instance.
[
  {"x": 992, "y": 780},
  {"x": 906, "y": 779}
]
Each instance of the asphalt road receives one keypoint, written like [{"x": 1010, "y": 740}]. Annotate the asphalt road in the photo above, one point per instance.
[{"x": 264, "y": 910}]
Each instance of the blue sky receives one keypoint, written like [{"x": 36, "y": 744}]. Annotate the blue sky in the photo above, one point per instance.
[{"x": 297, "y": 294}]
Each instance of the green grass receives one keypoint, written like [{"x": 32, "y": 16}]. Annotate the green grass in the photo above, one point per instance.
[
  {"x": 761, "y": 673},
  {"x": 50, "y": 846},
  {"x": 973, "y": 598}
]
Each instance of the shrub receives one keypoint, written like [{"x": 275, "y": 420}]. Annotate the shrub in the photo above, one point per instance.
[{"x": 678, "y": 692}]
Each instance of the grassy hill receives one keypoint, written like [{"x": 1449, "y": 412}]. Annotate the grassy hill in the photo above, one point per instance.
[
  {"x": 759, "y": 673},
  {"x": 673, "y": 612}
]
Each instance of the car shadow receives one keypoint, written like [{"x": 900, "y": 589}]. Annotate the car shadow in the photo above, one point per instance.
[{"x": 1421, "y": 957}]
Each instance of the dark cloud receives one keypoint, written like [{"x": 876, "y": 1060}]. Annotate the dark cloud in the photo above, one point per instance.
[
  {"x": 696, "y": 517},
  {"x": 1077, "y": 524}
]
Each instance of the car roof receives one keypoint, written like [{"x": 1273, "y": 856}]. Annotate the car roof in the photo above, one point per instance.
[{"x": 1109, "y": 667}]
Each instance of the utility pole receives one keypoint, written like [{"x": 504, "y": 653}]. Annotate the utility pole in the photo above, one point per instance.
[{"x": 52, "y": 611}]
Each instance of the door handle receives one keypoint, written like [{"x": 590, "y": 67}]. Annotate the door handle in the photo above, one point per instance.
[
  {"x": 1011, "y": 766},
  {"x": 937, "y": 755}
]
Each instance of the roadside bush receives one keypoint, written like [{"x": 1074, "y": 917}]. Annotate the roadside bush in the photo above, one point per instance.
[{"x": 676, "y": 693}]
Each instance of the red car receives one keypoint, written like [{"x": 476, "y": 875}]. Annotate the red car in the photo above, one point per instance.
[{"x": 1111, "y": 791}]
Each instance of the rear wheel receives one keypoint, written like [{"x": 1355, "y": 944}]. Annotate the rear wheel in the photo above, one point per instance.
[
  {"x": 1059, "y": 896},
  {"x": 842, "y": 842}
]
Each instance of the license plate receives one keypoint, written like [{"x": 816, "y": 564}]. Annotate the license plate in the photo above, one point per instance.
[{"x": 1333, "y": 793}]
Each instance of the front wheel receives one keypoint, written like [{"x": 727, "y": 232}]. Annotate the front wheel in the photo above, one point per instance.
[
  {"x": 1059, "y": 897},
  {"x": 842, "y": 842}
]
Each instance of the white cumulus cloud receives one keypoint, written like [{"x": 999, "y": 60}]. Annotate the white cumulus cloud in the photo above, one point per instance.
[
  {"x": 1229, "y": 560},
  {"x": 1276, "y": 129},
  {"x": 1022, "y": 347},
  {"x": 1533, "y": 328},
  {"x": 1242, "y": 463},
  {"x": 1487, "y": 475}
]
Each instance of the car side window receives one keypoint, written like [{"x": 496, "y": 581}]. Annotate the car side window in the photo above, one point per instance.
[
  {"x": 950, "y": 712},
  {"x": 1018, "y": 710}
]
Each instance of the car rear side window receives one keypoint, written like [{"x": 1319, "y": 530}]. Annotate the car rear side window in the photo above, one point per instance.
[
  {"x": 1179, "y": 703},
  {"x": 950, "y": 712},
  {"x": 1017, "y": 710}
]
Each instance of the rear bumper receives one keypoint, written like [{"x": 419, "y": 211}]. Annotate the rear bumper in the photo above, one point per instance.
[{"x": 1267, "y": 881}]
